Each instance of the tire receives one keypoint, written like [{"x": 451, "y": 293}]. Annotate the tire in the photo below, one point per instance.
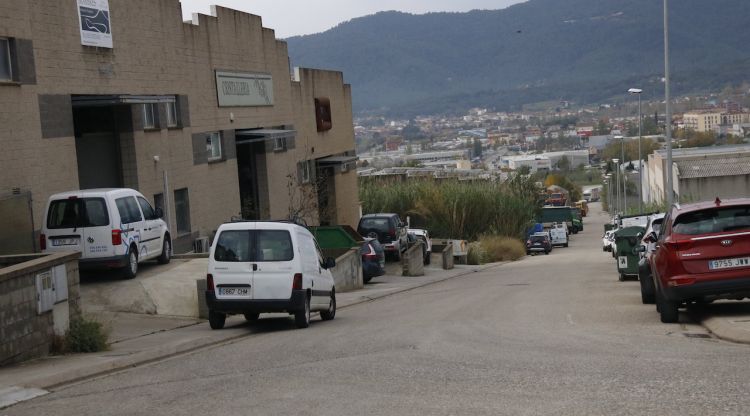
[
  {"x": 166, "y": 252},
  {"x": 647, "y": 291},
  {"x": 131, "y": 269},
  {"x": 621, "y": 276},
  {"x": 330, "y": 313},
  {"x": 428, "y": 258},
  {"x": 251, "y": 316},
  {"x": 366, "y": 279},
  {"x": 302, "y": 318},
  {"x": 546, "y": 252},
  {"x": 668, "y": 310},
  {"x": 216, "y": 319},
  {"x": 528, "y": 253},
  {"x": 565, "y": 245}
]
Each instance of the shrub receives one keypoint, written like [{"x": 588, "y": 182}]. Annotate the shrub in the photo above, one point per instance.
[
  {"x": 498, "y": 248},
  {"x": 84, "y": 335},
  {"x": 476, "y": 254}
]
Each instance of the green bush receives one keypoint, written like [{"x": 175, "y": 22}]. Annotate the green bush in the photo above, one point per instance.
[
  {"x": 84, "y": 335},
  {"x": 476, "y": 254}
]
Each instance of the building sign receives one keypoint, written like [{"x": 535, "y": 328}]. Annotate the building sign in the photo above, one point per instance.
[
  {"x": 93, "y": 18},
  {"x": 239, "y": 89}
]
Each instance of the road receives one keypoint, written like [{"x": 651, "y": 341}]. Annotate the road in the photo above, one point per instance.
[{"x": 554, "y": 334}]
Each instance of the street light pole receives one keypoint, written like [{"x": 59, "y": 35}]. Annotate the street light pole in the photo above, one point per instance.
[
  {"x": 624, "y": 174},
  {"x": 669, "y": 191},
  {"x": 638, "y": 91},
  {"x": 617, "y": 183}
]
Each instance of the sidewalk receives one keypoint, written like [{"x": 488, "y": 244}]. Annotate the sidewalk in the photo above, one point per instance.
[
  {"x": 138, "y": 339},
  {"x": 727, "y": 320}
]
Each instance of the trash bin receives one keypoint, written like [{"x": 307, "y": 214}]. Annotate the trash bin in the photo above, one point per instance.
[
  {"x": 336, "y": 240},
  {"x": 627, "y": 240}
]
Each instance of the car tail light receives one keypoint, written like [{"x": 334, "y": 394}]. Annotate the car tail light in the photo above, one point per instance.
[
  {"x": 392, "y": 232},
  {"x": 297, "y": 282},
  {"x": 210, "y": 282},
  {"x": 42, "y": 242},
  {"x": 371, "y": 255},
  {"x": 116, "y": 237},
  {"x": 679, "y": 245},
  {"x": 681, "y": 281}
]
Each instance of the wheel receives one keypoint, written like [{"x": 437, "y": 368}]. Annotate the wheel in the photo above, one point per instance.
[
  {"x": 166, "y": 252},
  {"x": 366, "y": 279},
  {"x": 565, "y": 245},
  {"x": 647, "y": 290},
  {"x": 621, "y": 276},
  {"x": 668, "y": 310},
  {"x": 397, "y": 255},
  {"x": 428, "y": 258},
  {"x": 546, "y": 252},
  {"x": 251, "y": 316},
  {"x": 216, "y": 319},
  {"x": 131, "y": 269},
  {"x": 302, "y": 318},
  {"x": 330, "y": 313},
  {"x": 528, "y": 253}
]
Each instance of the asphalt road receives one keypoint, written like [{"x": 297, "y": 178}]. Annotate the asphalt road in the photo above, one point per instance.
[{"x": 554, "y": 334}]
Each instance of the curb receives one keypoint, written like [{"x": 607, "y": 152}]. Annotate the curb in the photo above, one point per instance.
[
  {"x": 723, "y": 329},
  {"x": 168, "y": 351}
]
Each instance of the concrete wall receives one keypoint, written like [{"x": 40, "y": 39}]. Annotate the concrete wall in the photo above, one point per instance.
[
  {"x": 447, "y": 257},
  {"x": 412, "y": 261},
  {"x": 707, "y": 189},
  {"x": 17, "y": 234},
  {"x": 347, "y": 275},
  {"x": 24, "y": 333}
]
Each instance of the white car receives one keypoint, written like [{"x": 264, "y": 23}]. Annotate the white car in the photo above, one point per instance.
[
  {"x": 607, "y": 241},
  {"x": 259, "y": 267},
  {"x": 111, "y": 228},
  {"x": 424, "y": 235}
]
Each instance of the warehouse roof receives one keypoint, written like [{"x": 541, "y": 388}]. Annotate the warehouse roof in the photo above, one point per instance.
[{"x": 713, "y": 167}]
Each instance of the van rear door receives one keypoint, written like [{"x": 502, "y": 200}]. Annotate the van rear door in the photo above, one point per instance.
[
  {"x": 72, "y": 224},
  {"x": 232, "y": 264},
  {"x": 275, "y": 260}
]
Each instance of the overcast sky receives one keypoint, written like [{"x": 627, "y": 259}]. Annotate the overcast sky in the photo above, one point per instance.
[{"x": 302, "y": 17}]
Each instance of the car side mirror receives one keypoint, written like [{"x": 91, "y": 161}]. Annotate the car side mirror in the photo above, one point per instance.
[
  {"x": 330, "y": 263},
  {"x": 158, "y": 212},
  {"x": 640, "y": 249}
]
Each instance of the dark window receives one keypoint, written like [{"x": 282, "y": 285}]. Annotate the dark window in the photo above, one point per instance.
[
  {"x": 148, "y": 212},
  {"x": 254, "y": 246},
  {"x": 323, "y": 114},
  {"x": 714, "y": 220},
  {"x": 6, "y": 74},
  {"x": 149, "y": 116},
  {"x": 172, "y": 114},
  {"x": 159, "y": 201},
  {"x": 182, "y": 210},
  {"x": 72, "y": 213},
  {"x": 128, "y": 209},
  {"x": 379, "y": 224}
]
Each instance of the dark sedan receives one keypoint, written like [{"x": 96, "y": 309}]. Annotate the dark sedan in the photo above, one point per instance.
[{"x": 373, "y": 259}]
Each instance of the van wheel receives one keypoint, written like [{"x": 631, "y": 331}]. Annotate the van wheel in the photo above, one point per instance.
[
  {"x": 166, "y": 252},
  {"x": 302, "y": 318},
  {"x": 251, "y": 317},
  {"x": 131, "y": 269},
  {"x": 216, "y": 319},
  {"x": 330, "y": 313},
  {"x": 565, "y": 245}
]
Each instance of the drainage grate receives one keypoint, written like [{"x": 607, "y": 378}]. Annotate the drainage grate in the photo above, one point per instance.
[{"x": 697, "y": 335}]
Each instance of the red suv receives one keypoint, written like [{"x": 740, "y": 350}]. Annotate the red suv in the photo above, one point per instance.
[{"x": 702, "y": 254}]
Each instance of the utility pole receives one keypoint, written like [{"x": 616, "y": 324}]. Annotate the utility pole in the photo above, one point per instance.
[{"x": 670, "y": 189}]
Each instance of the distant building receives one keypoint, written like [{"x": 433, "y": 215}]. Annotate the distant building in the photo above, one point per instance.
[
  {"x": 708, "y": 120},
  {"x": 534, "y": 162}
]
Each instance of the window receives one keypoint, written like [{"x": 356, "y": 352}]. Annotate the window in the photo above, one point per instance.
[
  {"x": 279, "y": 144},
  {"x": 72, "y": 213},
  {"x": 254, "y": 246},
  {"x": 159, "y": 201},
  {"x": 149, "y": 116},
  {"x": 128, "y": 209},
  {"x": 5, "y": 67},
  {"x": 323, "y": 114},
  {"x": 148, "y": 212},
  {"x": 304, "y": 171},
  {"x": 182, "y": 210},
  {"x": 716, "y": 220},
  {"x": 213, "y": 146},
  {"x": 172, "y": 114}
]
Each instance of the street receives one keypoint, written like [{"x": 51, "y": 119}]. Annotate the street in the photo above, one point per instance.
[{"x": 555, "y": 334}]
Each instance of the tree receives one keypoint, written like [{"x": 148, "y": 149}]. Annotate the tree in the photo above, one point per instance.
[
  {"x": 524, "y": 170},
  {"x": 602, "y": 127},
  {"x": 564, "y": 164}
]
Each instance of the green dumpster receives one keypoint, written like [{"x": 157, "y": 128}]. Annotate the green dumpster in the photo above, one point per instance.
[
  {"x": 336, "y": 240},
  {"x": 608, "y": 227},
  {"x": 627, "y": 240}
]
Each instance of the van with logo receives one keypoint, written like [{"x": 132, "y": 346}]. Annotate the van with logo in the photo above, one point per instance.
[
  {"x": 259, "y": 267},
  {"x": 112, "y": 229}
]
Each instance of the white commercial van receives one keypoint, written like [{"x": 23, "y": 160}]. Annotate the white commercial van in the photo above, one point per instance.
[
  {"x": 111, "y": 228},
  {"x": 559, "y": 235},
  {"x": 267, "y": 266}
]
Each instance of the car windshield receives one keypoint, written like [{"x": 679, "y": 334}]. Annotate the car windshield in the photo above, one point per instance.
[
  {"x": 714, "y": 220},
  {"x": 380, "y": 224},
  {"x": 77, "y": 212},
  {"x": 538, "y": 238},
  {"x": 254, "y": 246}
]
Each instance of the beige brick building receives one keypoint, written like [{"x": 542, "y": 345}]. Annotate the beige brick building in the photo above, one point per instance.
[
  {"x": 708, "y": 120},
  {"x": 208, "y": 110}
]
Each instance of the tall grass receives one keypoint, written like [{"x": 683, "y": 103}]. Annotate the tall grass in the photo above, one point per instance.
[{"x": 456, "y": 209}]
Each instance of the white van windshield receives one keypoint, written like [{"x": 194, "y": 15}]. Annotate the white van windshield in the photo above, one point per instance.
[
  {"x": 77, "y": 212},
  {"x": 254, "y": 246}
]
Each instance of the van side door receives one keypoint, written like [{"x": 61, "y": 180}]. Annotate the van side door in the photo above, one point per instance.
[
  {"x": 152, "y": 232},
  {"x": 131, "y": 225}
]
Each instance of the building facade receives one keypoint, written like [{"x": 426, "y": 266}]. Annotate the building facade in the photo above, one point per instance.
[
  {"x": 709, "y": 120},
  {"x": 205, "y": 118}
]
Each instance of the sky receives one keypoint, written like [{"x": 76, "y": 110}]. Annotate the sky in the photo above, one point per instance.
[{"x": 303, "y": 17}]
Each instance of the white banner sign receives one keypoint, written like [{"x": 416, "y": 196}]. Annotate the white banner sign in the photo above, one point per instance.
[
  {"x": 239, "y": 89},
  {"x": 93, "y": 18}
]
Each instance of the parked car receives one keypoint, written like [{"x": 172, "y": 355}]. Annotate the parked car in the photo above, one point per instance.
[
  {"x": 257, "y": 267},
  {"x": 423, "y": 235},
  {"x": 390, "y": 231},
  {"x": 539, "y": 243},
  {"x": 702, "y": 254},
  {"x": 111, "y": 228},
  {"x": 558, "y": 235},
  {"x": 648, "y": 245},
  {"x": 373, "y": 259}
]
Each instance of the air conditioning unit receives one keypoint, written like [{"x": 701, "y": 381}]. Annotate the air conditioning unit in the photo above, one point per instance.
[{"x": 201, "y": 245}]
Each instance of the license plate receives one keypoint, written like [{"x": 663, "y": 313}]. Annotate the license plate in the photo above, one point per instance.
[
  {"x": 65, "y": 242},
  {"x": 234, "y": 291},
  {"x": 537, "y": 244},
  {"x": 729, "y": 263}
]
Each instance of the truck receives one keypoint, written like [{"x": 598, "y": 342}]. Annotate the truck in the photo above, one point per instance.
[
  {"x": 592, "y": 194},
  {"x": 551, "y": 215}
]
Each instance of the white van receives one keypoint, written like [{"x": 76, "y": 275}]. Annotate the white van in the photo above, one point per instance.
[
  {"x": 558, "y": 235},
  {"x": 111, "y": 228},
  {"x": 258, "y": 267}
]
